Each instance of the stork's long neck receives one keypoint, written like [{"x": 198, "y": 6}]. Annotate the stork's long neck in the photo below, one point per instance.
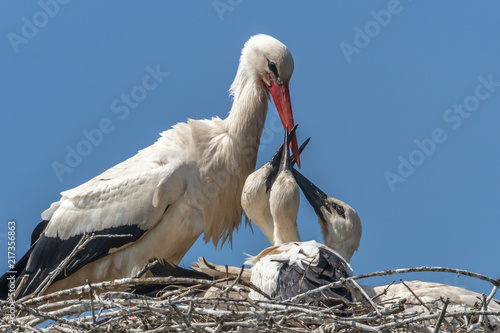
[
  {"x": 247, "y": 117},
  {"x": 285, "y": 232},
  {"x": 228, "y": 154}
]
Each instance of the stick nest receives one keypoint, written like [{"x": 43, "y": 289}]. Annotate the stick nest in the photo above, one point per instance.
[{"x": 185, "y": 306}]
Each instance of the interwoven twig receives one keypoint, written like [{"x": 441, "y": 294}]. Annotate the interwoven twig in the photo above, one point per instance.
[{"x": 186, "y": 309}]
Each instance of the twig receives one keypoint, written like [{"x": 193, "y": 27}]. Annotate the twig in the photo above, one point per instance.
[
  {"x": 181, "y": 310},
  {"x": 441, "y": 315},
  {"x": 492, "y": 294},
  {"x": 188, "y": 325},
  {"x": 226, "y": 291},
  {"x": 146, "y": 268},
  {"x": 399, "y": 271},
  {"x": 92, "y": 303},
  {"x": 430, "y": 269},
  {"x": 383, "y": 292},
  {"x": 362, "y": 296},
  {"x": 56, "y": 319},
  {"x": 433, "y": 316},
  {"x": 415, "y": 295},
  {"x": 119, "y": 283}
]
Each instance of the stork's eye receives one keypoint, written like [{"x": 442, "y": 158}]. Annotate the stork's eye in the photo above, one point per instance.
[
  {"x": 272, "y": 67},
  {"x": 340, "y": 210}
]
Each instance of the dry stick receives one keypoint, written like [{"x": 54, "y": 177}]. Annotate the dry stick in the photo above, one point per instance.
[
  {"x": 146, "y": 268},
  {"x": 486, "y": 302},
  {"x": 484, "y": 318},
  {"x": 355, "y": 289},
  {"x": 331, "y": 327},
  {"x": 366, "y": 296},
  {"x": 184, "y": 319},
  {"x": 418, "y": 298},
  {"x": 434, "y": 316},
  {"x": 190, "y": 311},
  {"x": 383, "y": 292},
  {"x": 492, "y": 294},
  {"x": 226, "y": 291},
  {"x": 337, "y": 284},
  {"x": 25, "y": 327},
  {"x": 480, "y": 320},
  {"x": 190, "y": 288},
  {"x": 92, "y": 302},
  {"x": 80, "y": 246},
  {"x": 441, "y": 315},
  {"x": 430, "y": 269},
  {"x": 257, "y": 289},
  {"x": 125, "y": 282},
  {"x": 55, "y": 318},
  {"x": 78, "y": 307}
]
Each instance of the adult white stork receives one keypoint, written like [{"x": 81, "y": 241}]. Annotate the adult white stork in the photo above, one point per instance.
[{"x": 157, "y": 203}]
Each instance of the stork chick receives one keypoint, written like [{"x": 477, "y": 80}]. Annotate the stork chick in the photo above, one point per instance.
[
  {"x": 291, "y": 268},
  {"x": 256, "y": 194}
]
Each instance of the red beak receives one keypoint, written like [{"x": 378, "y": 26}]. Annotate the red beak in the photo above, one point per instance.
[{"x": 281, "y": 98}]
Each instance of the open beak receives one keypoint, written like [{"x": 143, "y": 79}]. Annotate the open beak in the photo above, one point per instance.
[
  {"x": 277, "y": 160},
  {"x": 281, "y": 98},
  {"x": 285, "y": 157},
  {"x": 301, "y": 148},
  {"x": 314, "y": 195}
]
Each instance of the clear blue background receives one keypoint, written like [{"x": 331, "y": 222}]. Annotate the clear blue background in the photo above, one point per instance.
[{"x": 362, "y": 115}]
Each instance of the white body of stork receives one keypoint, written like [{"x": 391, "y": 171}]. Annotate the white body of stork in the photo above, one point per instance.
[{"x": 160, "y": 201}]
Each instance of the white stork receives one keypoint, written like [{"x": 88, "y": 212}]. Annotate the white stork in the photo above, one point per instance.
[{"x": 158, "y": 202}]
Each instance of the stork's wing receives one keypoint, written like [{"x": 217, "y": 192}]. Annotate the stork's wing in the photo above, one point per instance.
[
  {"x": 14, "y": 272},
  {"x": 294, "y": 280},
  {"x": 118, "y": 207}
]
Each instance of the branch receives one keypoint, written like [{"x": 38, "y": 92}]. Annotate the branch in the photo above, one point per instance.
[
  {"x": 226, "y": 291},
  {"x": 146, "y": 268},
  {"x": 415, "y": 295},
  {"x": 441, "y": 315}
]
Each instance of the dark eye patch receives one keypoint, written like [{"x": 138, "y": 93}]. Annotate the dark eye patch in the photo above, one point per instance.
[{"x": 272, "y": 67}]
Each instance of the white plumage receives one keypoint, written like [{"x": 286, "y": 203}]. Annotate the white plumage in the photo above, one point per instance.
[
  {"x": 188, "y": 183},
  {"x": 271, "y": 197},
  {"x": 299, "y": 257}
]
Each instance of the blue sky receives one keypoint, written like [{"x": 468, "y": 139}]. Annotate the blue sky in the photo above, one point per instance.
[{"x": 401, "y": 99}]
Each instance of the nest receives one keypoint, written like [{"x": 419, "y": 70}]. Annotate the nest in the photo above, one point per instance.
[{"x": 184, "y": 305}]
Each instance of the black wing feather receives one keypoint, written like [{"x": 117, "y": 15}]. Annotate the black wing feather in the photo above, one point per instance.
[
  {"x": 294, "y": 280},
  {"x": 21, "y": 263},
  {"x": 47, "y": 253}
]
